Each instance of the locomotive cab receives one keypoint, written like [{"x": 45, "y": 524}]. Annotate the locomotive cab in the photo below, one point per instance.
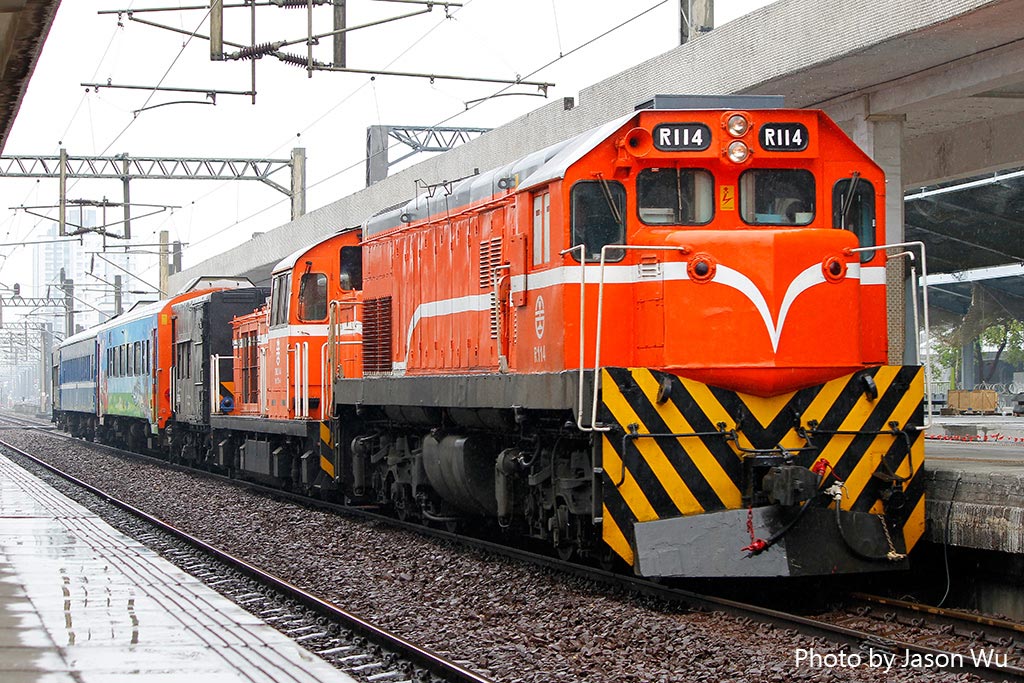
[{"x": 314, "y": 294}]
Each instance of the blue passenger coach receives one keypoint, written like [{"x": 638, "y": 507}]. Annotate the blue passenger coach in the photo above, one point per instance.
[{"x": 75, "y": 388}]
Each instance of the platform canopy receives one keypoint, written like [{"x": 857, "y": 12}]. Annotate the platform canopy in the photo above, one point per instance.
[{"x": 24, "y": 25}]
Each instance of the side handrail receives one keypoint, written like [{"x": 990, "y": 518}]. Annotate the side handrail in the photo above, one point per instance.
[
  {"x": 600, "y": 310},
  {"x": 927, "y": 328},
  {"x": 332, "y": 370},
  {"x": 499, "y": 315},
  {"x": 326, "y": 386},
  {"x": 263, "y": 380},
  {"x": 300, "y": 381},
  {"x": 583, "y": 320},
  {"x": 215, "y": 360}
]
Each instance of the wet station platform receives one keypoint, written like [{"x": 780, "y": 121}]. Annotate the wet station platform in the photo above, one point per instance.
[
  {"x": 975, "y": 473},
  {"x": 81, "y": 602}
]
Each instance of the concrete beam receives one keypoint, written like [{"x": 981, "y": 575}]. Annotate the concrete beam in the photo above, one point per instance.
[
  {"x": 972, "y": 150},
  {"x": 989, "y": 70}
]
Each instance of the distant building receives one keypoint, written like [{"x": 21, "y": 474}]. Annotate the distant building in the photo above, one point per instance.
[{"x": 94, "y": 298}]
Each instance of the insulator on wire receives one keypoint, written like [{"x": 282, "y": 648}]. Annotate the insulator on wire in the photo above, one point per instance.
[
  {"x": 297, "y": 60},
  {"x": 296, "y": 4},
  {"x": 253, "y": 51}
]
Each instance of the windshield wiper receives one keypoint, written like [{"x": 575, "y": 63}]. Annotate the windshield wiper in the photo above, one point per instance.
[{"x": 848, "y": 199}]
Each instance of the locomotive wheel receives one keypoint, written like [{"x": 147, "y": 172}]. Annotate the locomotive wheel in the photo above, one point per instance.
[
  {"x": 565, "y": 544},
  {"x": 609, "y": 560},
  {"x": 402, "y": 503}
]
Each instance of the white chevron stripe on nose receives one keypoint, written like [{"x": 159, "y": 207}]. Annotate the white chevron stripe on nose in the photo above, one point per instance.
[{"x": 810, "y": 277}]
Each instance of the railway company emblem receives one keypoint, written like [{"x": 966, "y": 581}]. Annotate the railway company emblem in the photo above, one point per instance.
[{"x": 538, "y": 317}]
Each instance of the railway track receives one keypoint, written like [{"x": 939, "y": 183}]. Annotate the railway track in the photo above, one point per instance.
[
  {"x": 354, "y": 645},
  {"x": 943, "y": 629},
  {"x": 866, "y": 631}
]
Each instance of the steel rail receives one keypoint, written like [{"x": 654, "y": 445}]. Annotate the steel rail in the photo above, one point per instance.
[{"x": 996, "y": 630}]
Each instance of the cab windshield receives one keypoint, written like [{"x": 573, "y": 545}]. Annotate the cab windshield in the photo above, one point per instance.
[
  {"x": 674, "y": 196},
  {"x": 777, "y": 197}
]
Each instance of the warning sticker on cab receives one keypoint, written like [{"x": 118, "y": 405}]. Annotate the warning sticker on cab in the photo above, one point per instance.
[{"x": 727, "y": 198}]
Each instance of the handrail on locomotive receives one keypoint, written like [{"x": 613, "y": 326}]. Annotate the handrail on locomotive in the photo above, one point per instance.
[{"x": 596, "y": 427}]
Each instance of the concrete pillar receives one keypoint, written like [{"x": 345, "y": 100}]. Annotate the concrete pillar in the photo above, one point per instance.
[
  {"x": 298, "y": 181},
  {"x": 968, "y": 366},
  {"x": 164, "y": 237},
  {"x": 882, "y": 138},
  {"x": 376, "y": 154},
  {"x": 695, "y": 17}
]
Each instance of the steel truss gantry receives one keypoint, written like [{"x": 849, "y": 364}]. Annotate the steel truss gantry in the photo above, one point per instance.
[
  {"x": 126, "y": 168},
  {"x": 416, "y": 138}
]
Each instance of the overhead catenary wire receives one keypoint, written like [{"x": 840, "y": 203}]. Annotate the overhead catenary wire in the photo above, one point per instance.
[
  {"x": 131, "y": 121},
  {"x": 362, "y": 160},
  {"x": 369, "y": 82},
  {"x": 241, "y": 218}
]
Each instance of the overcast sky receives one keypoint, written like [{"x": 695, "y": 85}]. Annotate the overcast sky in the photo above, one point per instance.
[{"x": 326, "y": 114}]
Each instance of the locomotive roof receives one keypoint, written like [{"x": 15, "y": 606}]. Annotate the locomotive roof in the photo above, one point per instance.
[
  {"x": 143, "y": 309},
  {"x": 545, "y": 165},
  {"x": 216, "y": 282},
  {"x": 288, "y": 262},
  {"x": 534, "y": 169}
]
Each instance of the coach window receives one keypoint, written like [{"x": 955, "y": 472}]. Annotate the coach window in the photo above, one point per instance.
[
  {"x": 598, "y": 218},
  {"x": 313, "y": 296},
  {"x": 351, "y": 268},
  {"x": 541, "y": 228},
  {"x": 777, "y": 197},
  {"x": 279, "y": 301},
  {"x": 670, "y": 196},
  {"x": 853, "y": 209}
]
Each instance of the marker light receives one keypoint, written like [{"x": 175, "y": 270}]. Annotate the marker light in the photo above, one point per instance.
[
  {"x": 738, "y": 152},
  {"x": 737, "y": 125}
]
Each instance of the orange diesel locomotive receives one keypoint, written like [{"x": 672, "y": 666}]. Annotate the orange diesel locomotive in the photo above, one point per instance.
[{"x": 661, "y": 342}]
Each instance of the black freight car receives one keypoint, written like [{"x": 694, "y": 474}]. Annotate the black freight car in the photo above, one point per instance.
[{"x": 202, "y": 381}]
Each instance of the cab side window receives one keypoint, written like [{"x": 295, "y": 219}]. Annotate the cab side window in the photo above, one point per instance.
[
  {"x": 313, "y": 296},
  {"x": 351, "y": 268},
  {"x": 853, "y": 209},
  {"x": 282, "y": 287},
  {"x": 541, "y": 228},
  {"x": 598, "y": 218}
]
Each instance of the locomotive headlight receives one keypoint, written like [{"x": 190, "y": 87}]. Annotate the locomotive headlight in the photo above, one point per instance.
[
  {"x": 737, "y": 125},
  {"x": 738, "y": 152}
]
